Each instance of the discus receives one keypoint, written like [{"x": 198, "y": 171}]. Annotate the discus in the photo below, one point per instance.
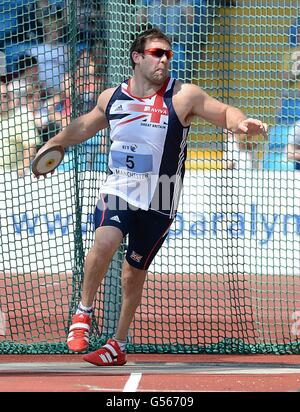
[{"x": 48, "y": 160}]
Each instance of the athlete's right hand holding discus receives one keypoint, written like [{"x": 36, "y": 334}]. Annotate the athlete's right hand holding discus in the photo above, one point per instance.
[
  {"x": 47, "y": 160},
  {"x": 149, "y": 116}
]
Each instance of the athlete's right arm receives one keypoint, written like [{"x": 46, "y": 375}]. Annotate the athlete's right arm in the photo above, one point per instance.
[{"x": 85, "y": 126}]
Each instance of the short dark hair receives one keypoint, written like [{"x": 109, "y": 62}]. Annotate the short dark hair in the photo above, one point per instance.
[{"x": 139, "y": 43}]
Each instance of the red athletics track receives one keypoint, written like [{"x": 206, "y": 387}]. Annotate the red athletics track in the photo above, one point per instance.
[{"x": 152, "y": 373}]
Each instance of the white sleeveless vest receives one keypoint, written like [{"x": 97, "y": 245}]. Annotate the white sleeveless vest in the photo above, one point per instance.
[{"x": 148, "y": 149}]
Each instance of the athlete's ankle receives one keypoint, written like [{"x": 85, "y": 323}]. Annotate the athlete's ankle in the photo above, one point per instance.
[
  {"x": 86, "y": 310},
  {"x": 122, "y": 343}
]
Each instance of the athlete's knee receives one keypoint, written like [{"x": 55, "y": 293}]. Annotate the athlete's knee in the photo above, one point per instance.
[{"x": 107, "y": 240}]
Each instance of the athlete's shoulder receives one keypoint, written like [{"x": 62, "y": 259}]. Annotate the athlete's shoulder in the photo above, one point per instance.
[
  {"x": 187, "y": 89},
  {"x": 105, "y": 97},
  {"x": 107, "y": 93},
  {"x": 185, "y": 97}
]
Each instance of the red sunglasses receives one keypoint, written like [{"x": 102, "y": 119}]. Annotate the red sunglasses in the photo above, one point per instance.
[{"x": 156, "y": 52}]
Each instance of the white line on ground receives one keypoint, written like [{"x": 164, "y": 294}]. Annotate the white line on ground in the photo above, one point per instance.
[
  {"x": 133, "y": 382},
  {"x": 148, "y": 368}
]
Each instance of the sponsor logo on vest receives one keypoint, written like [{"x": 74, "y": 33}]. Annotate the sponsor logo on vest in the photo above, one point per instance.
[{"x": 153, "y": 109}]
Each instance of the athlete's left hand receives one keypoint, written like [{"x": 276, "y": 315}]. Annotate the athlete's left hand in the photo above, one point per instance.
[{"x": 253, "y": 127}]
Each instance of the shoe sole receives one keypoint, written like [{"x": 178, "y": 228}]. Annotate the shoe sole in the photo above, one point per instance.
[{"x": 85, "y": 358}]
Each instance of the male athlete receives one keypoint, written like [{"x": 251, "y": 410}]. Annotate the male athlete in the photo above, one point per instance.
[{"x": 149, "y": 117}]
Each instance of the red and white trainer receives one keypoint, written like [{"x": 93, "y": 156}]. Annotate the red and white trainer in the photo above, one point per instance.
[
  {"x": 78, "y": 338},
  {"x": 109, "y": 355}
]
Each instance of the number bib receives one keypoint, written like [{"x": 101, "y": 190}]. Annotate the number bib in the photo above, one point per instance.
[{"x": 131, "y": 157}]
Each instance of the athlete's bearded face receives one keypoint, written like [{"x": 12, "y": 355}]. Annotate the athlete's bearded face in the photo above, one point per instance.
[{"x": 154, "y": 65}]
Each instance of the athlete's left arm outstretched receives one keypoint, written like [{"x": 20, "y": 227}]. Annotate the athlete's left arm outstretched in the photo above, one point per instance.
[{"x": 220, "y": 114}]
